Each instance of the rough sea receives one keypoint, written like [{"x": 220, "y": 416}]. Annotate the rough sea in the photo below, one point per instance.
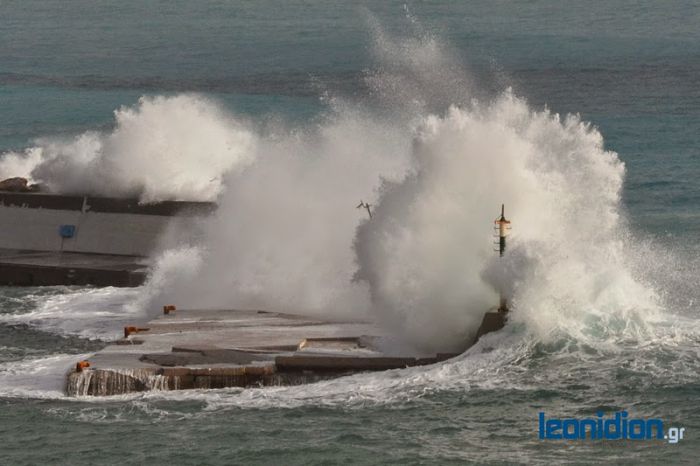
[{"x": 583, "y": 117}]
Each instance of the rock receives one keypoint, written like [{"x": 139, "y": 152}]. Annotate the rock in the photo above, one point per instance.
[{"x": 17, "y": 185}]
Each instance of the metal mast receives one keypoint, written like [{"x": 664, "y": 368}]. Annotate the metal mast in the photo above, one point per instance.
[{"x": 502, "y": 228}]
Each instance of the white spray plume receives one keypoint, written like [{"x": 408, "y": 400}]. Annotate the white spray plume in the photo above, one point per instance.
[
  {"x": 435, "y": 162},
  {"x": 282, "y": 236},
  {"x": 424, "y": 265},
  {"x": 164, "y": 148},
  {"x": 428, "y": 256}
]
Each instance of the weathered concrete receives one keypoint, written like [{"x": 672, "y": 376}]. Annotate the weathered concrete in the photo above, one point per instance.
[
  {"x": 32, "y": 221},
  {"x": 97, "y": 204},
  {"x": 215, "y": 349},
  {"x": 78, "y": 240},
  {"x": 492, "y": 322}
]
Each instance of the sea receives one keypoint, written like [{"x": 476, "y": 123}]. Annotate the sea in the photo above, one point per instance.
[{"x": 582, "y": 117}]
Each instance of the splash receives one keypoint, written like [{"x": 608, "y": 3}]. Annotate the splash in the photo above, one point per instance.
[
  {"x": 436, "y": 162},
  {"x": 282, "y": 236},
  {"x": 427, "y": 254},
  {"x": 286, "y": 236},
  {"x": 433, "y": 156},
  {"x": 90, "y": 313},
  {"x": 163, "y": 148}
]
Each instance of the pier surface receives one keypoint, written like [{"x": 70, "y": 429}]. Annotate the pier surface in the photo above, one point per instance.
[{"x": 198, "y": 349}]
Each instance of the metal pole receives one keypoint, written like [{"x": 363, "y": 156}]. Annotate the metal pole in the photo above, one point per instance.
[{"x": 502, "y": 226}]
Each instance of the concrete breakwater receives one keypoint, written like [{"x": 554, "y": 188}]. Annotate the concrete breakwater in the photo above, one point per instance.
[
  {"x": 202, "y": 349},
  {"x": 85, "y": 224},
  {"x": 52, "y": 239},
  {"x": 46, "y": 268}
]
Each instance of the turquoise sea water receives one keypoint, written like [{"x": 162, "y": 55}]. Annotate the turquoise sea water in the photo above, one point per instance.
[{"x": 630, "y": 68}]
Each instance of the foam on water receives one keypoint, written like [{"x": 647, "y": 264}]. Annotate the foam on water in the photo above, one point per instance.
[
  {"x": 37, "y": 377},
  {"x": 95, "y": 313},
  {"x": 513, "y": 359}
]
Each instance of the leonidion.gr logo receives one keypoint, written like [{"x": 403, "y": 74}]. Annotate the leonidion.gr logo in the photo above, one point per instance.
[{"x": 616, "y": 427}]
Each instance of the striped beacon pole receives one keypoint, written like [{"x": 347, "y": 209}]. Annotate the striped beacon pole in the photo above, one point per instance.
[{"x": 502, "y": 228}]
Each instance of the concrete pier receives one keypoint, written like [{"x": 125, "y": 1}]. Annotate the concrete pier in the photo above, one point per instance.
[{"x": 189, "y": 349}]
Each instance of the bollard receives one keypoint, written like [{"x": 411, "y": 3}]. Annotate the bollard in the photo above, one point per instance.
[
  {"x": 131, "y": 329},
  {"x": 81, "y": 365}
]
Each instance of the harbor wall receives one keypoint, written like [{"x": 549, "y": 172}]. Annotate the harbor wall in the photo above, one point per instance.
[{"x": 41, "y": 222}]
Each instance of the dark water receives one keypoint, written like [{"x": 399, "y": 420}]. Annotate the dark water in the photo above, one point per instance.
[{"x": 632, "y": 69}]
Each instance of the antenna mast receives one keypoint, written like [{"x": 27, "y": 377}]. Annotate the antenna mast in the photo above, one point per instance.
[{"x": 367, "y": 207}]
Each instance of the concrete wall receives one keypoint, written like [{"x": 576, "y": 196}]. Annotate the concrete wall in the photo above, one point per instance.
[{"x": 95, "y": 232}]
